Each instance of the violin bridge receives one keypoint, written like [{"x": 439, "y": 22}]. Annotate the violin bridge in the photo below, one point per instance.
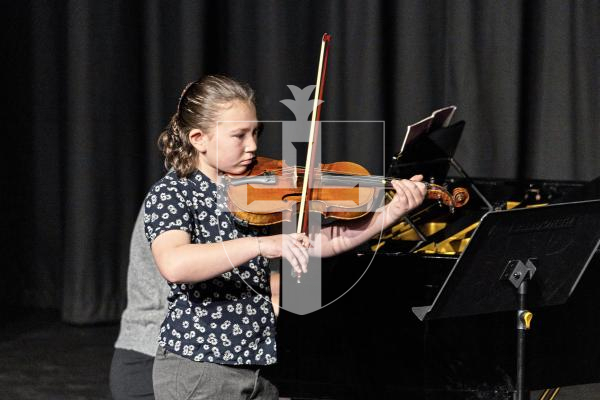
[{"x": 296, "y": 175}]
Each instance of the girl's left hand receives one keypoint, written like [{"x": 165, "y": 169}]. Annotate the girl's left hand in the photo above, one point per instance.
[{"x": 409, "y": 194}]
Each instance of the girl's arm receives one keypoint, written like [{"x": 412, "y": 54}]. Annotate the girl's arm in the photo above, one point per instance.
[
  {"x": 338, "y": 238},
  {"x": 180, "y": 261}
]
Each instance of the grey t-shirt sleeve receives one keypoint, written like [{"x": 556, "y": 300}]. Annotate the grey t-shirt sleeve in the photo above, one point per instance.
[{"x": 147, "y": 293}]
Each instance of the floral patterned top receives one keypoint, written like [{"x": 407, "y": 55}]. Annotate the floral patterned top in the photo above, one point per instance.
[{"x": 228, "y": 319}]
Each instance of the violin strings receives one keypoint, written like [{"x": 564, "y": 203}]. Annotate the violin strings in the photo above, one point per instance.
[
  {"x": 333, "y": 178},
  {"x": 344, "y": 177},
  {"x": 292, "y": 170}
]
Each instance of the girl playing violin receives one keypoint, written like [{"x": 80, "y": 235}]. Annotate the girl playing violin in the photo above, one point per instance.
[{"x": 220, "y": 326}]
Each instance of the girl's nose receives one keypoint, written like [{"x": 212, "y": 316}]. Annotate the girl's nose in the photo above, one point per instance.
[{"x": 250, "y": 145}]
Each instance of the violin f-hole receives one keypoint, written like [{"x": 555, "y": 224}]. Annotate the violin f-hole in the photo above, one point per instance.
[{"x": 284, "y": 197}]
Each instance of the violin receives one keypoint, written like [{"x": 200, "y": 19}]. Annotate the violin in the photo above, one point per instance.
[{"x": 271, "y": 190}]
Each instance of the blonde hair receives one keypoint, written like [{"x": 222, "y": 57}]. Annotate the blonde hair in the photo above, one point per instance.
[{"x": 199, "y": 106}]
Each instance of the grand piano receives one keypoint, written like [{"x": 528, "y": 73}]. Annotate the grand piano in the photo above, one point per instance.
[{"x": 367, "y": 344}]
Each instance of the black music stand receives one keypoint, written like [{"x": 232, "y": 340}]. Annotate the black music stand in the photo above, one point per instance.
[{"x": 517, "y": 258}]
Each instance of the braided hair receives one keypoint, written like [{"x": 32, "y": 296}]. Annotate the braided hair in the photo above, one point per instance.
[{"x": 200, "y": 104}]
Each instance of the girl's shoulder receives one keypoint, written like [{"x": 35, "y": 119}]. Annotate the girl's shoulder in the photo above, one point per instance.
[
  {"x": 193, "y": 188},
  {"x": 172, "y": 182},
  {"x": 168, "y": 205}
]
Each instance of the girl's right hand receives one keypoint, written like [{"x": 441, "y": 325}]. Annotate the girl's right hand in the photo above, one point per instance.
[{"x": 293, "y": 247}]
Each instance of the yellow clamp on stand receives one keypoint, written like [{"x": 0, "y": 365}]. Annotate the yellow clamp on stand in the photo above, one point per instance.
[{"x": 525, "y": 318}]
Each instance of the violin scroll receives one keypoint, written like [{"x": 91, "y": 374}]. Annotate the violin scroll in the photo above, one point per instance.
[{"x": 458, "y": 198}]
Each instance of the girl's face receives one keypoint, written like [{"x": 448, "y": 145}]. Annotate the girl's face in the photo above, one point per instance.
[{"x": 231, "y": 145}]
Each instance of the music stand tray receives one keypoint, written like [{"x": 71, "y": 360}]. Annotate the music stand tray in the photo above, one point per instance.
[{"x": 531, "y": 257}]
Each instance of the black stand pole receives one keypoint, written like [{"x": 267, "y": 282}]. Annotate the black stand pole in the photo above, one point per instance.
[
  {"x": 522, "y": 327},
  {"x": 519, "y": 274}
]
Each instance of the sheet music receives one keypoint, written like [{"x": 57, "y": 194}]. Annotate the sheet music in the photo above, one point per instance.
[
  {"x": 438, "y": 119},
  {"x": 442, "y": 117},
  {"x": 415, "y": 130}
]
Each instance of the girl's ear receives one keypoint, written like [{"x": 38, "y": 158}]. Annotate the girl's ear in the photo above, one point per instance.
[{"x": 198, "y": 139}]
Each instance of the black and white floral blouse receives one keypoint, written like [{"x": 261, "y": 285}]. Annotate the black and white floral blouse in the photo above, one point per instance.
[{"x": 228, "y": 319}]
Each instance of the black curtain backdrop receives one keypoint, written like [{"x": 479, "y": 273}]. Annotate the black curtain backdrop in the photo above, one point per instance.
[{"x": 90, "y": 84}]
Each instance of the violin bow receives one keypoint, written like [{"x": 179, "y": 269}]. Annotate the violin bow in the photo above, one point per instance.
[{"x": 307, "y": 184}]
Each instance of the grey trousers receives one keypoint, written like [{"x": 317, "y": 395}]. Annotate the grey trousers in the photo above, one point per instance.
[{"x": 178, "y": 378}]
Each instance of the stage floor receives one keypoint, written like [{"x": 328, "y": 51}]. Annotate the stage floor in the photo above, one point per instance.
[{"x": 42, "y": 358}]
